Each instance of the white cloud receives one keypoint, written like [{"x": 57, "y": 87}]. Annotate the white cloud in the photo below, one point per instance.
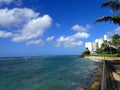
[
  {"x": 75, "y": 39},
  {"x": 33, "y": 29},
  {"x": 71, "y": 41},
  {"x": 4, "y": 34},
  {"x": 79, "y": 35},
  {"x": 29, "y": 23},
  {"x": 49, "y": 39},
  {"x": 88, "y": 26},
  {"x": 38, "y": 42},
  {"x": 7, "y": 2},
  {"x": 117, "y": 30},
  {"x": 57, "y": 25},
  {"x": 16, "y": 16},
  {"x": 80, "y": 28}
]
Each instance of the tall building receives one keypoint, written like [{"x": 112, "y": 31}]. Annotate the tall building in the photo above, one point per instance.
[
  {"x": 105, "y": 38},
  {"x": 93, "y": 46},
  {"x": 99, "y": 41},
  {"x": 89, "y": 46}
]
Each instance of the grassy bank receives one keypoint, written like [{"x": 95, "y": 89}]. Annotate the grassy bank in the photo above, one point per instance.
[{"x": 109, "y": 55}]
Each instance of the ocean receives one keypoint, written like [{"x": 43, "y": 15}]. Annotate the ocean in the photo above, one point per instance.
[{"x": 46, "y": 73}]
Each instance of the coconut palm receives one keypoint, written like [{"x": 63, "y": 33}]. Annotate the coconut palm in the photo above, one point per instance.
[
  {"x": 115, "y": 6},
  {"x": 114, "y": 19},
  {"x": 116, "y": 40}
]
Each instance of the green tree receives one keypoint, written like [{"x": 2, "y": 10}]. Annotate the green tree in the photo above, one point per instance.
[
  {"x": 107, "y": 47},
  {"x": 115, "y": 6},
  {"x": 86, "y": 52},
  {"x": 116, "y": 40}
]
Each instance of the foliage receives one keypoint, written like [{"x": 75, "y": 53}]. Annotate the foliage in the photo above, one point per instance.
[
  {"x": 115, "y": 6},
  {"x": 98, "y": 51},
  {"x": 114, "y": 19},
  {"x": 110, "y": 50},
  {"x": 116, "y": 39},
  {"x": 86, "y": 52},
  {"x": 109, "y": 55},
  {"x": 109, "y": 47}
]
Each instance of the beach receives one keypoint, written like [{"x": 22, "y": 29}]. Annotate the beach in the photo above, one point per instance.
[{"x": 102, "y": 58}]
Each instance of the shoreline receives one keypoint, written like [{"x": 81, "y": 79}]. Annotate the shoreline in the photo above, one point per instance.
[
  {"x": 102, "y": 58},
  {"x": 97, "y": 76}
]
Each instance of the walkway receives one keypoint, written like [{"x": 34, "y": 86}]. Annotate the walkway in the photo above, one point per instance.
[{"x": 113, "y": 75}]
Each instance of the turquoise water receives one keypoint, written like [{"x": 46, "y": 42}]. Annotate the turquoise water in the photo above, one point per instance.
[{"x": 46, "y": 73}]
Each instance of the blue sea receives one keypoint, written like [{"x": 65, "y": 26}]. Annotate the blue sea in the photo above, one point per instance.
[{"x": 46, "y": 73}]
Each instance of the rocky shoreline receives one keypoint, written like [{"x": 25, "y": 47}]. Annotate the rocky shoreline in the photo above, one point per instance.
[{"x": 97, "y": 78}]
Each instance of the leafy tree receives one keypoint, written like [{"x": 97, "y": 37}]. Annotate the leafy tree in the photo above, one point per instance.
[
  {"x": 107, "y": 47},
  {"x": 86, "y": 52},
  {"x": 110, "y": 50},
  {"x": 104, "y": 44},
  {"x": 99, "y": 51}
]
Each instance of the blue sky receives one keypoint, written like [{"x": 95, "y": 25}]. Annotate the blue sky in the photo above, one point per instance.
[{"x": 54, "y": 27}]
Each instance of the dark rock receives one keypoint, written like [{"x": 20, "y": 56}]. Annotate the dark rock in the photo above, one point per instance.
[{"x": 83, "y": 89}]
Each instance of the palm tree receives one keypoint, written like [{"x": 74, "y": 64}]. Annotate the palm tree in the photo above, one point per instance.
[
  {"x": 110, "y": 43},
  {"x": 115, "y": 6},
  {"x": 116, "y": 40}
]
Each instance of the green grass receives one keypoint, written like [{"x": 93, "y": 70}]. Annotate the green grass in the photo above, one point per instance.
[{"x": 109, "y": 55}]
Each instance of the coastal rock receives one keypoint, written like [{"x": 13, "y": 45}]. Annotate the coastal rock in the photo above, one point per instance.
[{"x": 83, "y": 89}]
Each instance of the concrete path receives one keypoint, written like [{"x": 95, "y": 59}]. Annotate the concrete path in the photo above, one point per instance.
[{"x": 113, "y": 75}]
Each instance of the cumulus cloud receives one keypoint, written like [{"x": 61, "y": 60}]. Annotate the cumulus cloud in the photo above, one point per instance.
[
  {"x": 7, "y": 2},
  {"x": 49, "y": 39},
  {"x": 38, "y": 42},
  {"x": 33, "y": 29},
  {"x": 117, "y": 30},
  {"x": 4, "y": 34},
  {"x": 71, "y": 41},
  {"x": 80, "y": 28},
  {"x": 30, "y": 24},
  {"x": 16, "y": 16},
  {"x": 57, "y": 25},
  {"x": 75, "y": 39}
]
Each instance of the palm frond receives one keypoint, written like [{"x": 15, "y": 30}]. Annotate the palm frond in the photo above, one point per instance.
[
  {"x": 104, "y": 18},
  {"x": 115, "y": 5},
  {"x": 114, "y": 19}
]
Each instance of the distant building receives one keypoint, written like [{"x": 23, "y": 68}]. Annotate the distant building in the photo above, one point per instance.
[
  {"x": 105, "y": 38},
  {"x": 93, "y": 46},
  {"x": 89, "y": 46},
  {"x": 99, "y": 41}
]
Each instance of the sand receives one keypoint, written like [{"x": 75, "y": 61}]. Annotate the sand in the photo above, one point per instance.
[{"x": 102, "y": 58}]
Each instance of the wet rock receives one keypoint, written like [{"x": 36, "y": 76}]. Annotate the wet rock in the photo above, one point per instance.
[{"x": 83, "y": 89}]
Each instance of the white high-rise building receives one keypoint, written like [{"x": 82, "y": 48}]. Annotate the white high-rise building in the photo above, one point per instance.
[
  {"x": 105, "y": 37},
  {"x": 99, "y": 41},
  {"x": 93, "y": 46},
  {"x": 89, "y": 46}
]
